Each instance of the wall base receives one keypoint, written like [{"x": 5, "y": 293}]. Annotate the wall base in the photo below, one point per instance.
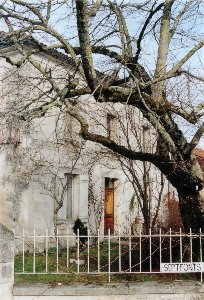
[{"x": 184, "y": 290}]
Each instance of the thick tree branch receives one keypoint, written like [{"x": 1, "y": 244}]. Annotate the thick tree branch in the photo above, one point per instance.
[
  {"x": 116, "y": 10},
  {"x": 118, "y": 148},
  {"x": 163, "y": 50},
  {"x": 190, "y": 117},
  {"x": 104, "y": 51},
  {"x": 195, "y": 140},
  {"x": 199, "y": 107},
  {"x": 186, "y": 58},
  {"x": 124, "y": 30},
  {"x": 85, "y": 44},
  {"x": 49, "y": 8},
  {"x": 149, "y": 109}
]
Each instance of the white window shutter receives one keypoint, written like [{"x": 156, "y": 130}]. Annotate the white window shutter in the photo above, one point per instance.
[{"x": 83, "y": 198}]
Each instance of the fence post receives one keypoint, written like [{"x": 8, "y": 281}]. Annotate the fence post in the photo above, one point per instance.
[
  {"x": 201, "y": 255},
  {"x": 6, "y": 263}
]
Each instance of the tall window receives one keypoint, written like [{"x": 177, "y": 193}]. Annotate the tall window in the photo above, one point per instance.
[
  {"x": 66, "y": 211},
  {"x": 68, "y": 128},
  {"x": 69, "y": 210},
  {"x": 75, "y": 202},
  {"x": 112, "y": 127},
  {"x": 14, "y": 135}
]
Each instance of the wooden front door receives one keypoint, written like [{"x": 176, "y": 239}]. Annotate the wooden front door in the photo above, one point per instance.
[{"x": 109, "y": 210}]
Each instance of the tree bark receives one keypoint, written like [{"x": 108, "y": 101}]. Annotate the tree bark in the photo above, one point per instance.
[
  {"x": 191, "y": 196},
  {"x": 191, "y": 208}
]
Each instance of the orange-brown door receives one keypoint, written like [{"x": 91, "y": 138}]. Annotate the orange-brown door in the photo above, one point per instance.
[{"x": 109, "y": 210}]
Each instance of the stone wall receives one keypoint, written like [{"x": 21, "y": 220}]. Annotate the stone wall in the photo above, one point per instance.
[
  {"x": 179, "y": 290},
  {"x": 6, "y": 263}
]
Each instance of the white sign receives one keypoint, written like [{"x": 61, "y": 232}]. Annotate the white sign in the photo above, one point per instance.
[{"x": 187, "y": 267}]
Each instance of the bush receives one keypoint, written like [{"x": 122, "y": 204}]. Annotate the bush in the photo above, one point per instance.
[{"x": 78, "y": 224}]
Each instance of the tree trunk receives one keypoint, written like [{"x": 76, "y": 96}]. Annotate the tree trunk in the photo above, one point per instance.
[
  {"x": 186, "y": 176},
  {"x": 192, "y": 210},
  {"x": 192, "y": 213}
]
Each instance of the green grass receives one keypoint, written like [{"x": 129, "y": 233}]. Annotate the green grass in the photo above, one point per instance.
[
  {"x": 67, "y": 279},
  {"x": 40, "y": 259}
]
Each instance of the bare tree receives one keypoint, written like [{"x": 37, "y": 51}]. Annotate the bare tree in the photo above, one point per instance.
[
  {"x": 145, "y": 49},
  {"x": 148, "y": 183}
]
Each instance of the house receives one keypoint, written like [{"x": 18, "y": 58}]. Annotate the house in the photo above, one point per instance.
[{"x": 49, "y": 175}]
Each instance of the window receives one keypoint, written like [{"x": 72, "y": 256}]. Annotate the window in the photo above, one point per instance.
[
  {"x": 66, "y": 211},
  {"x": 112, "y": 127},
  {"x": 69, "y": 208},
  {"x": 68, "y": 128},
  {"x": 75, "y": 202},
  {"x": 14, "y": 135}
]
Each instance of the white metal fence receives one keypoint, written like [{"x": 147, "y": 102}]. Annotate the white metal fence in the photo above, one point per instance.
[{"x": 171, "y": 252}]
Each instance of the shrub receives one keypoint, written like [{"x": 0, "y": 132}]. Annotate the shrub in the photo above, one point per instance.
[{"x": 78, "y": 224}]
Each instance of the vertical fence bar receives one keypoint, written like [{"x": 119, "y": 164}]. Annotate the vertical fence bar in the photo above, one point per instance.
[
  {"x": 191, "y": 245},
  {"x": 88, "y": 245},
  {"x": 181, "y": 247},
  {"x": 34, "y": 251},
  {"x": 78, "y": 250},
  {"x": 201, "y": 257},
  {"x": 14, "y": 245},
  {"x": 98, "y": 238},
  {"x": 57, "y": 246},
  {"x": 109, "y": 257},
  {"x": 46, "y": 251},
  {"x": 119, "y": 249},
  {"x": 170, "y": 245},
  {"x": 130, "y": 251},
  {"x": 150, "y": 249},
  {"x": 23, "y": 251},
  {"x": 67, "y": 249},
  {"x": 140, "y": 241},
  {"x": 160, "y": 247}
]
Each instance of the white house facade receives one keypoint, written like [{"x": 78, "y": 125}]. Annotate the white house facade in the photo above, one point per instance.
[{"x": 49, "y": 175}]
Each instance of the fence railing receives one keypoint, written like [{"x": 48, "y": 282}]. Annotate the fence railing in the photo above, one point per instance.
[{"x": 169, "y": 252}]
